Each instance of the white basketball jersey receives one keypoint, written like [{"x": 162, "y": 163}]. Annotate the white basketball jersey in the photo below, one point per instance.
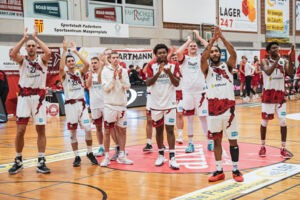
[
  {"x": 33, "y": 74},
  {"x": 193, "y": 80},
  {"x": 163, "y": 95},
  {"x": 273, "y": 87},
  {"x": 220, "y": 93},
  {"x": 73, "y": 86},
  {"x": 96, "y": 93}
]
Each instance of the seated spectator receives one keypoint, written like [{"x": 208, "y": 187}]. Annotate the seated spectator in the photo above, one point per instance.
[{"x": 134, "y": 77}]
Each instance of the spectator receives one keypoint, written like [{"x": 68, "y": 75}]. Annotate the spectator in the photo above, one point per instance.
[
  {"x": 4, "y": 89},
  {"x": 142, "y": 75},
  {"x": 57, "y": 85},
  {"x": 134, "y": 76},
  {"x": 131, "y": 67}
]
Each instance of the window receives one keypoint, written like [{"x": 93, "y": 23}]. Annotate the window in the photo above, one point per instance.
[
  {"x": 140, "y": 2},
  {"x": 110, "y": 1}
]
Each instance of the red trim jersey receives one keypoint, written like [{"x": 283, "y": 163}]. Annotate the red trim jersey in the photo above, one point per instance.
[
  {"x": 163, "y": 94},
  {"x": 193, "y": 80},
  {"x": 33, "y": 74},
  {"x": 220, "y": 93},
  {"x": 273, "y": 88},
  {"x": 73, "y": 86}
]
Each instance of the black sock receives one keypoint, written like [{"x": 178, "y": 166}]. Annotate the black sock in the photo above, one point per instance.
[
  {"x": 234, "y": 152},
  {"x": 161, "y": 153},
  {"x": 118, "y": 148},
  {"x": 171, "y": 154}
]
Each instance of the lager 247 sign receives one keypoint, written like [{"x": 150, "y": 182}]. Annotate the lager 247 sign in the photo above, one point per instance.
[
  {"x": 47, "y": 8},
  {"x": 238, "y": 15}
]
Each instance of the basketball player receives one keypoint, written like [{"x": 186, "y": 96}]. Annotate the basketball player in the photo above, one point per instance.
[
  {"x": 115, "y": 83},
  {"x": 93, "y": 82},
  {"x": 256, "y": 76},
  {"x": 273, "y": 70},
  {"x": 163, "y": 77},
  {"x": 221, "y": 103},
  {"x": 179, "y": 108},
  {"x": 193, "y": 89},
  {"x": 31, "y": 99},
  {"x": 75, "y": 106},
  {"x": 242, "y": 75}
]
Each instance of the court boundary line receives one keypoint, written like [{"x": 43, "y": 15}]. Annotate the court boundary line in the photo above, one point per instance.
[{"x": 282, "y": 191}]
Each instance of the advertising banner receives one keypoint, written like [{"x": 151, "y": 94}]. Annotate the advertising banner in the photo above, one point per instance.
[
  {"x": 277, "y": 21},
  {"x": 238, "y": 15},
  {"x": 105, "y": 13},
  {"x": 137, "y": 16},
  {"x": 76, "y": 28},
  {"x": 48, "y": 9},
  {"x": 11, "y": 9}
]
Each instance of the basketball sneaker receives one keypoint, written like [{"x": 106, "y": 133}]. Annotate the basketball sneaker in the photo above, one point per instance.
[
  {"x": 100, "y": 152},
  {"x": 160, "y": 160},
  {"x": 77, "y": 161},
  {"x": 124, "y": 160},
  {"x": 147, "y": 148},
  {"x": 105, "y": 162},
  {"x": 284, "y": 153},
  {"x": 115, "y": 156},
  {"x": 173, "y": 164},
  {"x": 190, "y": 148},
  {"x": 262, "y": 151},
  {"x": 92, "y": 158},
  {"x": 41, "y": 166},
  {"x": 210, "y": 145},
  {"x": 217, "y": 175},
  {"x": 237, "y": 176},
  {"x": 179, "y": 140},
  {"x": 17, "y": 166}
]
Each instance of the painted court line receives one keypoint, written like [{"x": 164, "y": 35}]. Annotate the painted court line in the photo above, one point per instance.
[{"x": 254, "y": 180}]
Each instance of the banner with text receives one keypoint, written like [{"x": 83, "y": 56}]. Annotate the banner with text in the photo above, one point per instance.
[
  {"x": 277, "y": 21},
  {"x": 11, "y": 9},
  {"x": 238, "y": 15},
  {"x": 76, "y": 28},
  {"x": 138, "y": 16}
]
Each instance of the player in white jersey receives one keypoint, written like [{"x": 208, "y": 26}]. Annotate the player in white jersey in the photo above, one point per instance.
[
  {"x": 93, "y": 83},
  {"x": 221, "y": 103},
  {"x": 193, "y": 89},
  {"x": 163, "y": 77},
  {"x": 115, "y": 83},
  {"x": 179, "y": 109},
  {"x": 273, "y": 71},
  {"x": 31, "y": 99},
  {"x": 75, "y": 106}
]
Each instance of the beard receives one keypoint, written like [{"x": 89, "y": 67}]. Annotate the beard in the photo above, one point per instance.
[
  {"x": 162, "y": 60},
  {"x": 215, "y": 62}
]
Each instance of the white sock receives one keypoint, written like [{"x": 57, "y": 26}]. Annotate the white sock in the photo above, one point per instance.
[
  {"x": 18, "y": 154},
  {"x": 179, "y": 131},
  {"x": 219, "y": 165},
  {"x": 41, "y": 154},
  {"x": 190, "y": 139},
  {"x": 235, "y": 166},
  {"x": 149, "y": 141},
  {"x": 121, "y": 154},
  {"x": 89, "y": 149},
  {"x": 76, "y": 153},
  {"x": 283, "y": 144},
  {"x": 101, "y": 145},
  {"x": 106, "y": 155},
  {"x": 263, "y": 142}
]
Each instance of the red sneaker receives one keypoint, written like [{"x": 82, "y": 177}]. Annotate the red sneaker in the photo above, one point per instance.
[
  {"x": 217, "y": 175},
  {"x": 237, "y": 176},
  {"x": 284, "y": 153},
  {"x": 262, "y": 151}
]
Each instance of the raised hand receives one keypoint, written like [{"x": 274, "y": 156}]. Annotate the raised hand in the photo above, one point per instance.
[
  {"x": 196, "y": 32},
  {"x": 120, "y": 73},
  {"x": 216, "y": 33},
  {"x": 25, "y": 35},
  {"x": 65, "y": 45},
  {"x": 188, "y": 38},
  {"x": 167, "y": 70},
  {"x": 291, "y": 50},
  {"x": 115, "y": 73},
  {"x": 35, "y": 31},
  {"x": 73, "y": 47}
]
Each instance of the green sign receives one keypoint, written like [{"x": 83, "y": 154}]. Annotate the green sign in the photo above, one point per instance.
[{"x": 47, "y": 8}]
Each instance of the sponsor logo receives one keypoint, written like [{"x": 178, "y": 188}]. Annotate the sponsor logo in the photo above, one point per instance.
[
  {"x": 234, "y": 134},
  {"x": 171, "y": 120},
  {"x": 283, "y": 113},
  {"x": 125, "y": 123},
  {"x": 39, "y": 23},
  {"x": 204, "y": 111},
  {"x": 41, "y": 119},
  {"x": 86, "y": 121}
]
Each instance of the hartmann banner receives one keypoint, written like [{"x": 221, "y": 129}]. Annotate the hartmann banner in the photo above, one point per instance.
[{"x": 76, "y": 28}]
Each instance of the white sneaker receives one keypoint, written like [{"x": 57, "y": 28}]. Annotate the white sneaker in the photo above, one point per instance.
[
  {"x": 115, "y": 156},
  {"x": 179, "y": 139},
  {"x": 105, "y": 162},
  {"x": 160, "y": 160},
  {"x": 124, "y": 160},
  {"x": 173, "y": 164}
]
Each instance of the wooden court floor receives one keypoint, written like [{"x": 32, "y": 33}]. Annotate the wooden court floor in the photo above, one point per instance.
[{"x": 94, "y": 182}]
